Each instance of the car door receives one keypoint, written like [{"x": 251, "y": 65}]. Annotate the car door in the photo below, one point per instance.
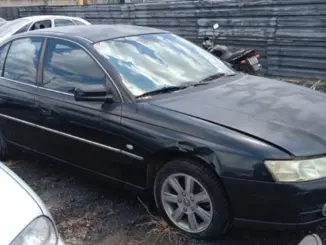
[
  {"x": 73, "y": 130},
  {"x": 63, "y": 22},
  {"x": 18, "y": 112}
]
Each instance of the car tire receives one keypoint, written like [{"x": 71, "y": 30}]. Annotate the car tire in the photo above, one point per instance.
[{"x": 211, "y": 215}]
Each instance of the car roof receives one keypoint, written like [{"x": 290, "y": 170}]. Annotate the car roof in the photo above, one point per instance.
[
  {"x": 42, "y": 17},
  {"x": 96, "y": 33}
]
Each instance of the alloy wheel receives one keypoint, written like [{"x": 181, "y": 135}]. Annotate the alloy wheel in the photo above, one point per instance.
[{"x": 187, "y": 203}]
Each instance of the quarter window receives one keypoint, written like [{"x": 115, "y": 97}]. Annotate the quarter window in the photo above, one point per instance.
[
  {"x": 66, "y": 65},
  {"x": 23, "y": 59}
]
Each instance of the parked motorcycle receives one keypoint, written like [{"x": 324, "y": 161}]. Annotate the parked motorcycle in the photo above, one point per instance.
[{"x": 244, "y": 60}]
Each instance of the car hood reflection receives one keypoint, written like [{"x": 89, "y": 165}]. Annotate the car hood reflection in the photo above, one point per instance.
[{"x": 289, "y": 116}]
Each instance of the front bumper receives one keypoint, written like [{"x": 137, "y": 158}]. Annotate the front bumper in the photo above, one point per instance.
[{"x": 276, "y": 205}]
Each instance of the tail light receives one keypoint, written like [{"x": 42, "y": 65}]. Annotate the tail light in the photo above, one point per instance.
[
  {"x": 253, "y": 55},
  {"x": 243, "y": 62}
]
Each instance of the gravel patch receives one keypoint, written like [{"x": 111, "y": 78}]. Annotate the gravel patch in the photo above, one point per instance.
[{"x": 89, "y": 211}]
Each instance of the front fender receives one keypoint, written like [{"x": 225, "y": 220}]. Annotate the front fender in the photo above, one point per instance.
[
  {"x": 224, "y": 160},
  {"x": 154, "y": 131}
]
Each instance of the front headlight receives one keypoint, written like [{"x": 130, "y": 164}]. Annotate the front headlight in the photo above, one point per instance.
[
  {"x": 39, "y": 232},
  {"x": 297, "y": 170}
]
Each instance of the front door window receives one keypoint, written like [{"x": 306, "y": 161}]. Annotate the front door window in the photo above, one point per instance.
[
  {"x": 41, "y": 25},
  {"x": 66, "y": 66}
]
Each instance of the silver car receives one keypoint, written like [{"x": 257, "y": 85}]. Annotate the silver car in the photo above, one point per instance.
[
  {"x": 24, "y": 219},
  {"x": 36, "y": 22}
]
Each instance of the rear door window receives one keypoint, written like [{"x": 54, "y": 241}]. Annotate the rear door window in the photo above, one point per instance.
[
  {"x": 63, "y": 22},
  {"x": 22, "y": 60},
  {"x": 66, "y": 65},
  {"x": 79, "y": 23}
]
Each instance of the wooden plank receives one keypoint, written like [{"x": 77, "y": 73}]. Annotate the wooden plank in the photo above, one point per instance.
[
  {"x": 162, "y": 22},
  {"x": 303, "y": 34},
  {"x": 301, "y": 52},
  {"x": 249, "y": 32},
  {"x": 301, "y": 23},
  {"x": 254, "y": 21},
  {"x": 296, "y": 72},
  {"x": 295, "y": 62}
]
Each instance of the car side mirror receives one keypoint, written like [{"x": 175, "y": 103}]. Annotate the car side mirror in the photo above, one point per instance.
[{"x": 92, "y": 93}]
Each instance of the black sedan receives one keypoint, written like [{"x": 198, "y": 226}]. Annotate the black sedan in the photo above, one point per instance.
[{"x": 149, "y": 109}]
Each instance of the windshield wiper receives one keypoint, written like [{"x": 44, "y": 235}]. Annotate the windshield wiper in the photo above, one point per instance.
[
  {"x": 166, "y": 89},
  {"x": 212, "y": 77}
]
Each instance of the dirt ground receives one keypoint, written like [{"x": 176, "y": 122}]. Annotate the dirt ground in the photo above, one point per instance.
[{"x": 89, "y": 211}]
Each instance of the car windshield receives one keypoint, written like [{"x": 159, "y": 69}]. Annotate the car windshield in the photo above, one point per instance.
[
  {"x": 11, "y": 27},
  {"x": 153, "y": 61}
]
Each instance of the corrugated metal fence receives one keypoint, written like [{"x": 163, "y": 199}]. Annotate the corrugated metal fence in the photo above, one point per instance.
[
  {"x": 17, "y": 3},
  {"x": 14, "y": 3},
  {"x": 290, "y": 34}
]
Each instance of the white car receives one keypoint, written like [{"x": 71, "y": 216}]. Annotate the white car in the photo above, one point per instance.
[
  {"x": 24, "y": 219},
  {"x": 38, "y": 22},
  {"x": 2, "y": 21}
]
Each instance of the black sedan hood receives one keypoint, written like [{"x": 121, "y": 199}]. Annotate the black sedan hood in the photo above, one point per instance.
[{"x": 289, "y": 116}]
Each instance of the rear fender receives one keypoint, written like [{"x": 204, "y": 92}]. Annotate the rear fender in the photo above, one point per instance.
[
  {"x": 219, "y": 50},
  {"x": 245, "y": 54}
]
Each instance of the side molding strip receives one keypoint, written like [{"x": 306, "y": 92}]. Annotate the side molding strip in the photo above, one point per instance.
[{"x": 74, "y": 137}]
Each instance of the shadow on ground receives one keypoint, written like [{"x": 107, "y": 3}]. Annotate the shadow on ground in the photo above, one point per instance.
[{"x": 89, "y": 211}]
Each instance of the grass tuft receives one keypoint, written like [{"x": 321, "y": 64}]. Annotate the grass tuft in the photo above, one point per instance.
[{"x": 159, "y": 229}]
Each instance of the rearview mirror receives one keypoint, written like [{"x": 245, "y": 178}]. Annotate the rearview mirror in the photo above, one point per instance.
[
  {"x": 215, "y": 26},
  {"x": 92, "y": 93}
]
